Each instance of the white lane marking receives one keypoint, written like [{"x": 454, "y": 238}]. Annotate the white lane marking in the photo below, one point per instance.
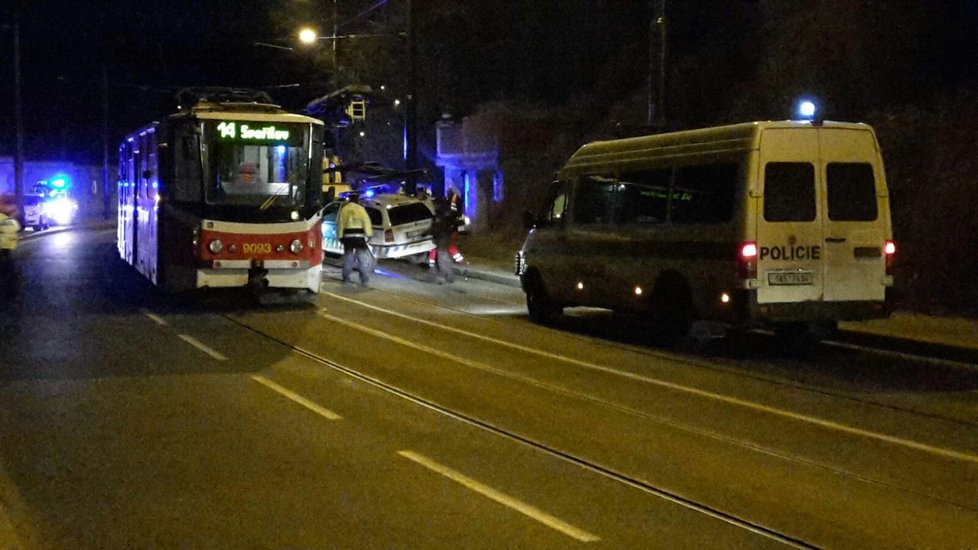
[
  {"x": 156, "y": 318},
  {"x": 202, "y": 347},
  {"x": 901, "y": 355},
  {"x": 828, "y": 424},
  {"x": 502, "y": 498},
  {"x": 321, "y": 411}
]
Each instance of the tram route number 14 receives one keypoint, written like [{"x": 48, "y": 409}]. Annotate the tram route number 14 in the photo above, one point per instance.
[{"x": 229, "y": 130}]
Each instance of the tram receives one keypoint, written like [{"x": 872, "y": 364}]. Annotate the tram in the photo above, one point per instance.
[{"x": 226, "y": 192}]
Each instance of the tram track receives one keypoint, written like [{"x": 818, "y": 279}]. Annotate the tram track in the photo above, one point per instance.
[
  {"x": 590, "y": 465},
  {"x": 734, "y": 366},
  {"x": 602, "y": 467}
]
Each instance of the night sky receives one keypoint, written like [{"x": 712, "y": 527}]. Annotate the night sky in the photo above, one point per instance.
[{"x": 541, "y": 53}]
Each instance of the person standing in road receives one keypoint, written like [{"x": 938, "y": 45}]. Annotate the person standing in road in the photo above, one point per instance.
[
  {"x": 353, "y": 228},
  {"x": 442, "y": 228},
  {"x": 453, "y": 201}
]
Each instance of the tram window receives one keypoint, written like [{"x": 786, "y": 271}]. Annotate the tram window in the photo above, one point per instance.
[
  {"x": 251, "y": 173},
  {"x": 789, "y": 192},
  {"x": 594, "y": 199},
  {"x": 851, "y": 192},
  {"x": 643, "y": 197},
  {"x": 703, "y": 193},
  {"x": 187, "y": 176}
]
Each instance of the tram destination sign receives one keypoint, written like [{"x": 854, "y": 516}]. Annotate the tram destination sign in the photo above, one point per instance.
[{"x": 237, "y": 130}]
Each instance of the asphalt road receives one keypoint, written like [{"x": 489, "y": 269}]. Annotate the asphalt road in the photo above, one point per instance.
[{"x": 416, "y": 415}]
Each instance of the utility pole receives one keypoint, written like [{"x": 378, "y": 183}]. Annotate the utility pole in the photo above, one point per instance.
[
  {"x": 657, "y": 45},
  {"x": 336, "y": 25},
  {"x": 105, "y": 142},
  {"x": 18, "y": 121},
  {"x": 411, "y": 127}
]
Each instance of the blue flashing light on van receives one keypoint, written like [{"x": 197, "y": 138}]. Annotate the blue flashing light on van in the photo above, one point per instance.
[{"x": 806, "y": 109}]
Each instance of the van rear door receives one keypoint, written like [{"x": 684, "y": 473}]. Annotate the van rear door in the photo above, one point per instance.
[
  {"x": 854, "y": 221},
  {"x": 789, "y": 221}
]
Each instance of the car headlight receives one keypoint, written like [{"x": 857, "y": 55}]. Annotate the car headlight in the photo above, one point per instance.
[
  {"x": 296, "y": 246},
  {"x": 215, "y": 246}
]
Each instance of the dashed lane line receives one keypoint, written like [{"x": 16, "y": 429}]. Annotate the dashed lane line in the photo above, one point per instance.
[
  {"x": 156, "y": 318},
  {"x": 321, "y": 411},
  {"x": 502, "y": 498},
  {"x": 202, "y": 347}
]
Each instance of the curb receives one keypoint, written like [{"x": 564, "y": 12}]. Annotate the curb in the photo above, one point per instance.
[
  {"x": 498, "y": 278},
  {"x": 898, "y": 344},
  {"x": 946, "y": 351}
]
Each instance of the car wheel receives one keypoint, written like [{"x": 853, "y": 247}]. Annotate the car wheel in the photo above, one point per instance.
[{"x": 541, "y": 307}]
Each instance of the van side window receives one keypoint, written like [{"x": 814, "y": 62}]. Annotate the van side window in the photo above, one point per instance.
[
  {"x": 594, "y": 199},
  {"x": 643, "y": 197},
  {"x": 704, "y": 193},
  {"x": 852, "y": 192},
  {"x": 789, "y": 192}
]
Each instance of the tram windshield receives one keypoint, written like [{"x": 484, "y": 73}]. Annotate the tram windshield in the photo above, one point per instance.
[{"x": 258, "y": 164}]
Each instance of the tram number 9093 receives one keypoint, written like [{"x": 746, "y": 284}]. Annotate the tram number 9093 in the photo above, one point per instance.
[{"x": 257, "y": 248}]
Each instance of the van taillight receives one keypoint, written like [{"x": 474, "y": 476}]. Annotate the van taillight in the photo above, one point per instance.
[
  {"x": 388, "y": 236},
  {"x": 747, "y": 260},
  {"x": 889, "y": 252}
]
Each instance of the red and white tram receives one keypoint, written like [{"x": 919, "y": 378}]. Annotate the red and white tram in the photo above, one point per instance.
[{"x": 227, "y": 192}]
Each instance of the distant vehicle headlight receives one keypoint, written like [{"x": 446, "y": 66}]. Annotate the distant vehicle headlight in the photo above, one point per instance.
[
  {"x": 61, "y": 210},
  {"x": 215, "y": 246},
  {"x": 296, "y": 246}
]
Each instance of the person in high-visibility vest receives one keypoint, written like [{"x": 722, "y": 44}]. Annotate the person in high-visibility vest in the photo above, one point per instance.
[
  {"x": 452, "y": 200},
  {"x": 353, "y": 228}
]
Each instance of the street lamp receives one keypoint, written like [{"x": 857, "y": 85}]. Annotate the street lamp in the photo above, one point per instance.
[{"x": 308, "y": 35}]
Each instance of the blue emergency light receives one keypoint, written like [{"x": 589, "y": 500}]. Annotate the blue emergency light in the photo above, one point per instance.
[
  {"x": 806, "y": 109},
  {"x": 60, "y": 182}
]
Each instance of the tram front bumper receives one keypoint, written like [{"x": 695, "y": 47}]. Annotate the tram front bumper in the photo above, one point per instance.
[{"x": 230, "y": 277}]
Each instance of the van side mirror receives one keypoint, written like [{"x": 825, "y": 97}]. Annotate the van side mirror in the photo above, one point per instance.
[{"x": 529, "y": 220}]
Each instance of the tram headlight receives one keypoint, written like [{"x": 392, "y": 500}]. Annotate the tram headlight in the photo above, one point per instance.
[
  {"x": 215, "y": 246},
  {"x": 296, "y": 246}
]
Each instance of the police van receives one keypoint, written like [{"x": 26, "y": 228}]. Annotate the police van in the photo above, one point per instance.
[{"x": 784, "y": 225}]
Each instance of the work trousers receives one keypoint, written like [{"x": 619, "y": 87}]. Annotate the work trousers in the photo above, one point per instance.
[{"x": 356, "y": 256}]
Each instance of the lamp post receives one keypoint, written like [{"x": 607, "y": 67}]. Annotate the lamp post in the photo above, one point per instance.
[
  {"x": 309, "y": 35},
  {"x": 18, "y": 117}
]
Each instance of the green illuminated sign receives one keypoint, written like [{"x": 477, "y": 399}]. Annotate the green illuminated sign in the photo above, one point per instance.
[{"x": 234, "y": 130}]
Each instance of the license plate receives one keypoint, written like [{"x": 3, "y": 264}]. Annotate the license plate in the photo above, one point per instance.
[{"x": 786, "y": 278}]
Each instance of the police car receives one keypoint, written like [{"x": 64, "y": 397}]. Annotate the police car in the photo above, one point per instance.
[
  {"x": 401, "y": 224},
  {"x": 35, "y": 214}
]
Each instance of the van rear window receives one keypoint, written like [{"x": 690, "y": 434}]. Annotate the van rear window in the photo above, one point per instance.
[
  {"x": 852, "y": 192},
  {"x": 789, "y": 192}
]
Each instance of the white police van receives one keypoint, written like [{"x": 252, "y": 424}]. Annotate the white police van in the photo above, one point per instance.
[{"x": 777, "y": 224}]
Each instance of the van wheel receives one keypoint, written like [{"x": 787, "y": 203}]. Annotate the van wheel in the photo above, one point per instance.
[{"x": 542, "y": 309}]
